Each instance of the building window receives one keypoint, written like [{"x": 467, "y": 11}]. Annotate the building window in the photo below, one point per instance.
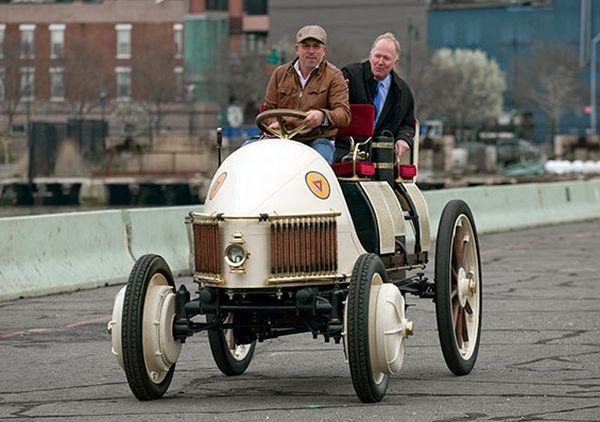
[
  {"x": 178, "y": 39},
  {"x": 27, "y": 41},
  {"x": 256, "y": 7},
  {"x": 57, "y": 41},
  {"x": 449, "y": 34},
  {"x": 57, "y": 84},
  {"x": 217, "y": 5},
  {"x": 27, "y": 83},
  {"x": 123, "y": 83},
  {"x": 2, "y": 28},
  {"x": 179, "y": 83},
  {"x": 473, "y": 34},
  {"x": 123, "y": 41}
]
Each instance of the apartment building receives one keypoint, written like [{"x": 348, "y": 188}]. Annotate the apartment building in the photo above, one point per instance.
[
  {"x": 82, "y": 58},
  {"x": 90, "y": 58}
]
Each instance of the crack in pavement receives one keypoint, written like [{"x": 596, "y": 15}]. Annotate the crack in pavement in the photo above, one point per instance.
[
  {"x": 555, "y": 358},
  {"x": 572, "y": 334},
  {"x": 103, "y": 319}
]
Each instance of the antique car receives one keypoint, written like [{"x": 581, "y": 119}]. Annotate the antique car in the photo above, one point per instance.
[{"x": 284, "y": 245}]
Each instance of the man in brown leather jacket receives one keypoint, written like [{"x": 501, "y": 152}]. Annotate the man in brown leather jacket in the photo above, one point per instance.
[{"x": 311, "y": 84}]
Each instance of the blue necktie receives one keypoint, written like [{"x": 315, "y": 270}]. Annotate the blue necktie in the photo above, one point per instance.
[{"x": 378, "y": 100}]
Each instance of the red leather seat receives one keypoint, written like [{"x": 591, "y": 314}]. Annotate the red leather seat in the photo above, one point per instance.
[{"x": 361, "y": 125}]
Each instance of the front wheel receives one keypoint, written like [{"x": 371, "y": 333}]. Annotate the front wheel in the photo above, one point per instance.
[
  {"x": 458, "y": 287},
  {"x": 148, "y": 347},
  {"x": 375, "y": 329},
  {"x": 231, "y": 357}
]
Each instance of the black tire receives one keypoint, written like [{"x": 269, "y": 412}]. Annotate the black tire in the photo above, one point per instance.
[
  {"x": 458, "y": 296},
  {"x": 224, "y": 357},
  {"x": 140, "y": 382},
  {"x": 369, "y": 387}
]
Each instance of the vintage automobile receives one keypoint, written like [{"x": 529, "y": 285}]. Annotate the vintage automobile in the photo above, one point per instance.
[{"x": 283, "y": 246}]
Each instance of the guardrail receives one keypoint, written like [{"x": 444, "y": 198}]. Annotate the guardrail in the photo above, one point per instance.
[{"x": 55, "y": 253}]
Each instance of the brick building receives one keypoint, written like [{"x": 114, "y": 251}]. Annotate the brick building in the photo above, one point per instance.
[
  {"x": 111, "y": 58},
  {"x": 87, "y": 58}
]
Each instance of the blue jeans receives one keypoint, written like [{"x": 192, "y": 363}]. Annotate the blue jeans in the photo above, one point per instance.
[{"x": 323, "y": 146}]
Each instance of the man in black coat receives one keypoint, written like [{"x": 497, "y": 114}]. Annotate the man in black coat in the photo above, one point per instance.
[{"x": 394, "y": 105}]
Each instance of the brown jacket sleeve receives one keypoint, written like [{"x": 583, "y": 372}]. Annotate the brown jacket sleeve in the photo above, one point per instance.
[{"x": 338, "y": 113}]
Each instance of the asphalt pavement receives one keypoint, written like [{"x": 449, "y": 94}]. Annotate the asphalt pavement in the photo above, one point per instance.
[{"x": 539, "y": 358}]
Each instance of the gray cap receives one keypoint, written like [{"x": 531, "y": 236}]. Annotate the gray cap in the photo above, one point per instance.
[{"x": 311, "y": 31}]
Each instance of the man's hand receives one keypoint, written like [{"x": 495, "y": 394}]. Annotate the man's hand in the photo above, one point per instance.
[
  {"x": 314, "y": 118},
  {"x": 401, "y": 147}
]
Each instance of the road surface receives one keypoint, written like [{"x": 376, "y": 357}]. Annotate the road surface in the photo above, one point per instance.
[{"x": 539, "y": 358}]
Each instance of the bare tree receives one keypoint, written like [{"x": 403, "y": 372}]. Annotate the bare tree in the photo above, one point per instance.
[
  {"x": 549, "y": 79},
  {"x": 154, "y": 79},
  {"x": 341, "y": 52},
  {"x": 85, "y": 75},
  {"x": 421, "y": 84},
  {"x": 12, "y": 89},
  {"x": 249, "y": 75}
]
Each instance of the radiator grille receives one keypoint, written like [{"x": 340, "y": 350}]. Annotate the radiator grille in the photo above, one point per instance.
[
  {"x": 207, "y": 255},
  {"x": 304, "y": 246}
]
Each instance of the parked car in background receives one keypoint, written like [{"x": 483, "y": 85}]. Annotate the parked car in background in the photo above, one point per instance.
[{"x": 511, "y": 150}]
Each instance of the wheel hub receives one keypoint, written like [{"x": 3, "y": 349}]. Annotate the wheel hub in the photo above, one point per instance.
[
  {"x": 466, "y": 286},
  {"x": 161, "y": 350},
  {"x": 114, "y": 327},
  {"x": 391, "y": 329}
]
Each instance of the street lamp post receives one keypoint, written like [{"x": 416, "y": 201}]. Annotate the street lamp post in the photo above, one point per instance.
[
  {"x": 413, "y": 35},
  {"x": 593, "y": 72}
]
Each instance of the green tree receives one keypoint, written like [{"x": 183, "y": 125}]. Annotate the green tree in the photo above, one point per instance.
[{"x": 466, "y": 87}]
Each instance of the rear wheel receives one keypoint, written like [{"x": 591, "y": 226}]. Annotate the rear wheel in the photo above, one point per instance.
[
  {"x": 231, "y": 357},
  {"x": 458, "y": 287},
  {"x": 148, "y": 347}
]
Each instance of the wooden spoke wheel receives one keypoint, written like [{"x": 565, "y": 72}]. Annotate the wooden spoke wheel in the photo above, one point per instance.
[
  {"x": 458, "y": 287},
  {"x": 231, "y": 357}
]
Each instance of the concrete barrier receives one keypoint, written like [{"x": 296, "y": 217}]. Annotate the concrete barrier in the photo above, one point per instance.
[
  {"x": 161, "y": 231},
  {"x": 499, "y": 208},
  {"x": 64, "y": 252},
  {"x": 49, "y": 254}
]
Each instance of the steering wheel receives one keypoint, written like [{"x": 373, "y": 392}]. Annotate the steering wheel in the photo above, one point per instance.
[{"x": 283, "y": 132}]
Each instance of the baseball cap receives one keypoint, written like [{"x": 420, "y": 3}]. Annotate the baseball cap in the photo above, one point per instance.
[{"x": 311, "y": 31}]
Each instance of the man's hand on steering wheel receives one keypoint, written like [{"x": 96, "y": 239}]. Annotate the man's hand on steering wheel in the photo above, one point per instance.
[{"x": 314, "y": 118}]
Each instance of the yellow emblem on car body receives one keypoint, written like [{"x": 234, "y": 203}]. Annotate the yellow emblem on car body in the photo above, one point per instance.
[
  {"x": 217, "y": 185},
  {"x": 318, "y": 184}
]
